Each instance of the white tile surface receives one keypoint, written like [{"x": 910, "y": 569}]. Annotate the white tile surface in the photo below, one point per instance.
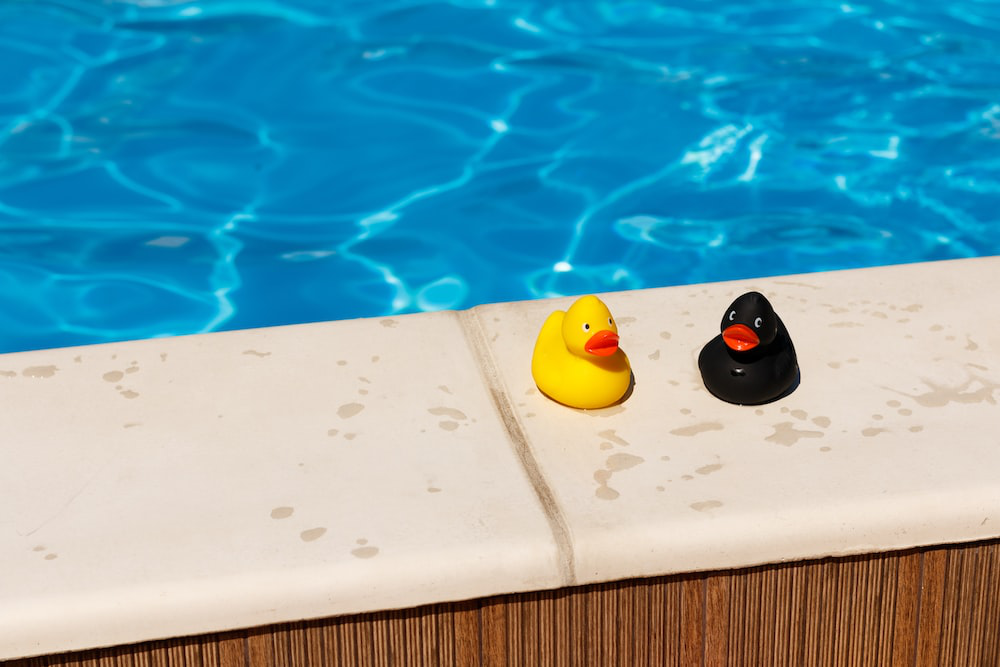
[
  {"x": 178, "y": 486},
  {"x": 189, "y": 485},
  {"x": 890, "y": 440}
]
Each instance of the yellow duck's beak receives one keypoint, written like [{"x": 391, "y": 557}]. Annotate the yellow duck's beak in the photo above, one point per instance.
[{"x": 603, "y": 343}]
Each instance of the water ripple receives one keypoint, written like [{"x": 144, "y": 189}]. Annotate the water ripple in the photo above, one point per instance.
[{"x": 174, "y": 166}]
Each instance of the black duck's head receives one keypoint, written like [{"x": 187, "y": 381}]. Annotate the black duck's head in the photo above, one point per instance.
[{"x": 749, "y": 322}]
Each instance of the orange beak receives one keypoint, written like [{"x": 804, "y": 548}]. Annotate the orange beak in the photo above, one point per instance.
[
  {"x": 603, "y": 343},
  {"x": 740, "y": 337}
]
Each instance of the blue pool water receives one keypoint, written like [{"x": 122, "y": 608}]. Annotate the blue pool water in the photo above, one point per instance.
[{"x": 172, "y": 167}]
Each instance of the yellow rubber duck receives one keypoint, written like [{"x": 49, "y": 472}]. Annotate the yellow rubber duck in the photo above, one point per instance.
[{"x": 577, "y": 360}]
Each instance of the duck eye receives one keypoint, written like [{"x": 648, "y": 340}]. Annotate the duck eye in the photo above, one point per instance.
[
  {"x": 610, "y": 323},
  {"x": 756, "y": 323},
  {"x": 586, "y": 327},
  {"x": 732, "y": 316}
]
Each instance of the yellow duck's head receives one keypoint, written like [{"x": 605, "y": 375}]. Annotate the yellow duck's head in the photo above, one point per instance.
[{"x": 588, "y": 328}]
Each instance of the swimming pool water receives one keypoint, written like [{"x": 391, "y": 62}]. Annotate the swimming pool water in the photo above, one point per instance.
[{"x": 172, "y": 167}]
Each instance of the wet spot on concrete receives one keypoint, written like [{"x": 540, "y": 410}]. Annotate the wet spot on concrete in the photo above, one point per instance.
[
  {"x": 622, "y": 461},
  {"x": 916, "y": 429},
  {"x": 128, "y": 393},
  {"x": 282, "y": 512},
  {"x": 348, "y": 410},
  {"x": 134, "y": 368},
  {"x": 824, "y": 449},
  {"x": 39, "y": 371},
  {"x": 609, "y": 434},
  {"x": 971, "y": 345},
  {"x": 332, "y": 432},
  {"x": 906, "y": 412},
  {"x": 312, "y": 534},
  {"x": 39, "y": 548},
  {"x": 607, "y": 445},
  {"x": 363, "y": 550},
  {"x": 655, "y": 356},
  {"x": 913, "y": 308},
  {"x": 447, "y": 412},
  {"x": 444, "y": 388},
  {"x": 448, "y": 425},
  {"x": 51, "y": 556},
  {"x": 822, "y": 422},
  {"x": 350, "y": 436},
  {"x": 878, "y": 417},
  {"x": 341, "y": 362},
  {"x": 664, "y": 458},
  {"x": 388, "y": 323},
  {"x": 626, "y": 320},
  {"x": 705, "y": 505},
  {"x": 786, "y": 434},
  {"x": 113, "y": 376},
  {"x": 687, "y": 478},
  {"x": 834, "y": 364},
  {"x": 433, "y": 489},
  {"x": 163, "y": 356},
  {"x": 845, "y": 325},
  {"x": 665, "y": 335},
  {"x": 375, "y": 359},
  {"x": 685, "y": 411},
  {"x": 973, "y": 390},
  {"x": 364, "y": 379},
  {"x": 758, "y": 411},
  {"x": 893, "y": 403},
  {"x": 709, "y": 469},
  {"x": 936, "y": 327},
  {"x": 800, "y": 414},
  {"x": 256, "y": 353},
  {"x": 695, "y": 429},
  {"x": 604, "y": 492},
  {"x": 8, "y": 374},
  {"x": 872, "y": 431},
  {"x": 131, "y": 425}
]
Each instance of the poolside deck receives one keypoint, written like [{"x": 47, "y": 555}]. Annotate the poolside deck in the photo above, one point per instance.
[{"x": 325, "y": 475}]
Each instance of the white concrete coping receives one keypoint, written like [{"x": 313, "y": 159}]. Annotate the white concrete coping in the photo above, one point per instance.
[{"x": 196, "y": 484}]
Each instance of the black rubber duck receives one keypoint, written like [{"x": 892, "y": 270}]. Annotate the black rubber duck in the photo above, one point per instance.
[{"x": 753, "y": 360}]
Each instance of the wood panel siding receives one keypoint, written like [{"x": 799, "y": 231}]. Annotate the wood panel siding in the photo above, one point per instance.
[{"x": 931, "y": 606}]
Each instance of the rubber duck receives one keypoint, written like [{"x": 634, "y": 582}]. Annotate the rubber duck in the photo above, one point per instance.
[
  {"x": 753, "y": 360},
  {"x": 577, "y": 361}
]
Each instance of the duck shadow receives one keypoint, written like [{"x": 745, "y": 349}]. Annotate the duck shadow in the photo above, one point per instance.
[
  {"x": 628, "y": 392},
  {"x": 625, "y": 396}
]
